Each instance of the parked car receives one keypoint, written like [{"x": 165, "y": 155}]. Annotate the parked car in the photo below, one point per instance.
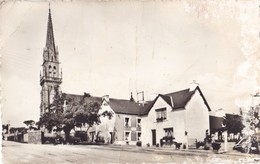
[
  {"x": 74, "y": 140},
  {"x": 243, "y": 145},
  {"x": 248, "y": 144},
  {"x": 59, "y": 140}
]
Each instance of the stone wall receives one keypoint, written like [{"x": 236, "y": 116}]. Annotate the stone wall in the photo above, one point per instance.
[{"x": 34, "y": 137}]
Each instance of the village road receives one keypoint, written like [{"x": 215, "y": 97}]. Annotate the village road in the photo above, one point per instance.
[{"x": 29, "y": 153}]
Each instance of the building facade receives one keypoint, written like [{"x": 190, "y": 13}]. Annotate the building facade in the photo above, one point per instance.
[
  {"x": 181, "y": 117},
  {"x": 125, "y": 126}
]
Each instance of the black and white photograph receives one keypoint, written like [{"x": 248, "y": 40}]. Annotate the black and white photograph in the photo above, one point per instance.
[{"x": 130, "y": 81}]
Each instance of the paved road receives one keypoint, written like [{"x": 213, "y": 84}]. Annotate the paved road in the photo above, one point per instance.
[{"x": 29, "y": 153}]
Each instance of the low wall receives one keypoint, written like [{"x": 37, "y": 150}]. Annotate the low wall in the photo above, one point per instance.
[{"x": 34, "y": 137}]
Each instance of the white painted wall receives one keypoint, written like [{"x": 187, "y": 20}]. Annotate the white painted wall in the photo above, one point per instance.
[
  {"x": 194, "y": 119},
  {"x": 175, "y": 120},
  {"x": 197, "y": 117}
]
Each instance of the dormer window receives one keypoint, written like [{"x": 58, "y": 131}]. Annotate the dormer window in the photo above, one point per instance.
[{"x": 161, "y": 114}]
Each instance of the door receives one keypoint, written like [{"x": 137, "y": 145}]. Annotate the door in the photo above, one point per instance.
[{"x": 154, "y": 137}]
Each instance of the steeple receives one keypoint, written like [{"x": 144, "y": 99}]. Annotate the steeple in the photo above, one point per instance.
[
  {"x": 50, "y": 50},
  {"x": 50, "y": 78},
  {"x": 50, "y": 44}
]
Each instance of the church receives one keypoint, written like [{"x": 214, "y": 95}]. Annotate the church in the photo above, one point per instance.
[{"x": 173, "y": 116}]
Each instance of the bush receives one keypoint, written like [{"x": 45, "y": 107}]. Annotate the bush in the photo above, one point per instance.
[
  {"x": 199, "y": 144},
  {"x": 138, "y": 143},
  {"x": 157, "y": 145},
  {"x": 216, "y": 146},
  {"x": 178, "y": 145}
]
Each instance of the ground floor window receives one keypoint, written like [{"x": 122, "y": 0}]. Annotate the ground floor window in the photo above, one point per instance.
[
  {"x": 127, "y": 136},
  {"x": 168, "y": 132},
  {"x": 138, "y": 136}
]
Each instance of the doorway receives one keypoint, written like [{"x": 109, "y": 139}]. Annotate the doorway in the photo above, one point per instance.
[{"x": 154, "y": 137}]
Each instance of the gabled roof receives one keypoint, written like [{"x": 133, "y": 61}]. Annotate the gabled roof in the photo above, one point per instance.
[
  {"x": 180, "y": 98},
  {"x": 176, "y": 100},
  {"x": 117, "y": 105},
  {"x": 125, "y": 106}
]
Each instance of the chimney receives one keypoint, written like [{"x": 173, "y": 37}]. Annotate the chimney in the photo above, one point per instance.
[
  {"x": 193, "y": 85},
  {"x": 131, "y": 98},
  {"x": 106, "y": 98}
]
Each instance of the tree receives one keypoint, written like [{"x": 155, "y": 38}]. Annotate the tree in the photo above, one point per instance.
[
  {"x": 233, "y": 123},
  {"x": 83, "y": 114},
  {"x": 54, "y": 117},
  {"x": 76, "y": 114},
  {"x": 30, "y": 124},
  {"x": 50, "y": 120},
  {"x": 252, "y": 118}
]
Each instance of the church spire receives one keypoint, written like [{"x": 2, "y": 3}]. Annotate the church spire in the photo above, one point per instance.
[
  {"x": 50, "y": 44},
  {"x": 50, "y": 78}
]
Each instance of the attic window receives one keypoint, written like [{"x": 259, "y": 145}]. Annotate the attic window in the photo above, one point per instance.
[{"x": 161, "y": 114}]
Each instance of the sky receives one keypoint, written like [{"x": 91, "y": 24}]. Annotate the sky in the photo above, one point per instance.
[{"x": 118, "y": 47}]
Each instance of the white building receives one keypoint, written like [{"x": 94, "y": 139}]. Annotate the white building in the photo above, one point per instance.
[
  {"x": 182, "y": 115},
  {"x": 124, "y": 128}
]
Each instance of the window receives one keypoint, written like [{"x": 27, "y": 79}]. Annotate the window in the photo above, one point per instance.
[
  {"x": 49, "y": 69},
  {"x": 168, "y": 132},
  {"x": 139, "y": 136},
  {"x": 161, "y": 114},
  {"x": 127, "y": 136},
  {"x": 127, "y": 122},
  {"x": 138, "y": 122}
]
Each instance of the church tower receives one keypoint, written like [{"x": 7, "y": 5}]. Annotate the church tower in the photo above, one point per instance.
[{"x": 51, "y": 77}]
